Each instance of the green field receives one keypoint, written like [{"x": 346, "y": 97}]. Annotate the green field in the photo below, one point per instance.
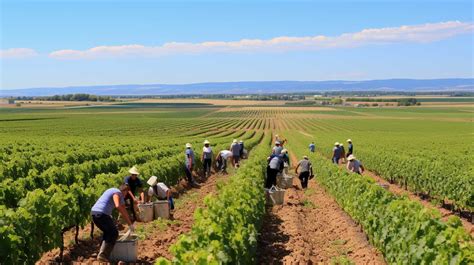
[{"x": 65, "y": 158}]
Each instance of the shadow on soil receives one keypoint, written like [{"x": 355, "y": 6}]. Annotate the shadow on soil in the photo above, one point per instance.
[{"x": 272, "y": 240}]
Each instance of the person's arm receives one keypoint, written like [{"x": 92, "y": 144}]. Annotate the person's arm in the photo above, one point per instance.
[
  {"x": 121, "y": 208},
  {"x": 296, "y": 169},
  {"x": 362, "y": 167},
  {"x": 311, "y": 170},
  {"x": 190, "y": 162},
  {"x": 132, "y": 196},
  {"x": 348, "y": 166},
  {"x": 142, "y": 196}
]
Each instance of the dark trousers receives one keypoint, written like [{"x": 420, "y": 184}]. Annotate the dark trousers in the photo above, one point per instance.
[
  {"x": 271, "y": 177},
  {"x": 222, "y": 164},
  {"x": 236, "y": 159},
  {"x": 189, "y": 174},
  {"x": 304, "y": 177},
  {"x": 130, "y": 203},
  {"x": 207, "y": 165},
  {"x": 107, "y": 225},
  {"x": 335, "y": 160}
]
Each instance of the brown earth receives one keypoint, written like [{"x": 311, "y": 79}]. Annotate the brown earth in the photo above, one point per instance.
[
  {"x": 311, "y": 228},
  {"x": 155, "y": 237}
]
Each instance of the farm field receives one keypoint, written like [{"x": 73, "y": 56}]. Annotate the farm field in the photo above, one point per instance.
[{"x": 55, "y": 163}]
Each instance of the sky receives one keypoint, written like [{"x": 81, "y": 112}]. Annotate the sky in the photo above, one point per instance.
[{"x": 104, "y": 42}]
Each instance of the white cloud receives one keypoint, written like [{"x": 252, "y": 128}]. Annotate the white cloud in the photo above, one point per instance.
[
  {"x": 378, "y": 36},
  {"x": 17, "y": 53}
]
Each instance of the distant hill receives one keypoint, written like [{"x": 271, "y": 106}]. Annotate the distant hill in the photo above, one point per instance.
[{"x": 255, "y": 87}]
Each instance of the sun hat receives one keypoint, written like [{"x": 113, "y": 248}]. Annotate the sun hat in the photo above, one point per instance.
[
  {"x": 235, "y": 141},
  {"x": 341, "y": 144},
  {"x": 305, "y": 157},
  {"x": 152, "y": 181},
  {"x": 284, "y": 151},
  {"x": 349, "y": 140},
  {"x": 276, "y": 135},
  {"x": 337, "y": 143},
  {"x": 206, "y": 142},
  {"x": 351, "y": 157},
  {"x": 188, "y": 145},
  {"x": 133, "y": 171},
  {"x": 277, "y": 142},
  {"x": 241, "y": 141}
]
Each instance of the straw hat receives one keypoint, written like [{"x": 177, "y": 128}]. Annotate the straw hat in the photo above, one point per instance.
[
  {"x": 305, "y": 157},
  {"x": 133, "y": 171},
  {"x": 349, "y": 140},
  {"x": 188, "y": 145},
  {"x": 277, "y": 142},
  {"x": 235, "y": 141},
  {"x": 351, "y": 157},
  {"x": 152, "y": 181},
  {"x": 341, "y": 144},
  {"x": 276, "y": 135},
  {"x": 206, "y": 142},
  {"x": 284, "y": 151},
  {"x": 337, "y": 143},
  {"x": 241, "y": 141}
]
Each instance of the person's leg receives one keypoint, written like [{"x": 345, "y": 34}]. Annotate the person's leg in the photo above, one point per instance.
[
  {"x": 267, "y": 179},
  {"x": 273, "y": 178},
  {"x": 305, "y": 178},
  {"x": 224, "y": 165},
  {"x": 189, "y": 174},
  {"x": 110, "y": 234}
]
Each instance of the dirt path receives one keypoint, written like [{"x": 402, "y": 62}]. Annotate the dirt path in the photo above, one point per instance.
[
  {"x": 155, "y": 237},
  {"x": 311, "y": 228}
]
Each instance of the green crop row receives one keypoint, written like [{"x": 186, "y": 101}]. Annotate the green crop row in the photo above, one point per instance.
[
  {"x": 225, "y": 232},
  {"x": 403, "y": 230}
]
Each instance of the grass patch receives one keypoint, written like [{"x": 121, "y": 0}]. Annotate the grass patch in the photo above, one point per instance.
[{"x": 341, "y": 260}]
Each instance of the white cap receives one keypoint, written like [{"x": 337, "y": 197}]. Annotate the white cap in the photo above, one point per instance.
[
  {"x": 188, "y": 145},
  {"x": 152, "y": 181},
  {"x": 133, "y": 171}
]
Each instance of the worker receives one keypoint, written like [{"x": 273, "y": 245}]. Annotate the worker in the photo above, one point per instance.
[
  {"x": 102, "y": 217},
  {"x": 221, "y": 160},
  {"x": 336, "y": 153},
  {"x": 160, "y": 191},
  {"x": 206, "y": 158},
  {"x": 354, "y": 165},
  {"x": 306, "y": 171},
  {"x": 189, "y": 164},
  {"x": 277, "y": 148},
  {"x": 286, "y": 160},
  {"x": 343, "y": 153},
  {"x": 135, "y": 186},
  {"x": 275, "y": 165},
  {"x": 235, "y": 149},
  {"x": 241, "y": 144},
  {"x": 312, "y": 147},
  {"x": 350, "y": 149},
  {"x": 280, "y": 140}
]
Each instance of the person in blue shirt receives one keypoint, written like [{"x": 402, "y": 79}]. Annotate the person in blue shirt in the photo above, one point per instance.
[
  {"x": 350, "y": 147},
  {"x": 135, "y": 187},
  {"x": 189, "y": 164},
  {"x": 336, "y": 153},
  {"x": 312, "y": 147},
  {"x": 101, "y": 214}
]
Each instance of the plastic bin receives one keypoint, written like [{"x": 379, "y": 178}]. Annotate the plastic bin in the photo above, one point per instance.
[
  {"x": 286, "y": 182},
  {"x": 146, "y": 212},
  {"x": 161, "y": 209},
  {"x": 275, "y": 196},
  {"x": 126, "y": 250}
]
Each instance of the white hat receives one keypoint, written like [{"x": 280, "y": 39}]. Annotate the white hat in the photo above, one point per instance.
[
  {"x": 351, "y": 157},
  {"x": 235, "y": 141},
  {"x": 241, "y": 141},
  {"x": 337, "y": 143},
  {"x": 133, "y": 171},
  {"x": 152, "y": 181},
  {"x": 206, "y": 142},
  {"x": 277, "y": 142},
  {"x": 305, "y": 157},
  {"x": 276, "y": 135},
  {"x": 349, "y": 140},
  {"x": 284, "y": 151},
  {"x": 188, "y": 145},
  {"x": 341, "y": 144}
]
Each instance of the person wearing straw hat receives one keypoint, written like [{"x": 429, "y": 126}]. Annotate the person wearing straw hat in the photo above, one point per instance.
[
  {"x": 276, "y": 150},
  {"x": 350, "y": 149},
  {"x": 135, "y": 185},
  {"x": 206, "y": 158},
  {"x": 343, "y": 153},
  {"x": 306, "y": 171},
  {"x": 189, "y": 164},
  {"x": 336, "y": 153},
  {"x": 160, "y": 191},
  {"x": 354, "y": 165},
  {"x": 312, "y": 147},
  {"x": 235, "y": 149},
  {"x": 101, "y": 214}
]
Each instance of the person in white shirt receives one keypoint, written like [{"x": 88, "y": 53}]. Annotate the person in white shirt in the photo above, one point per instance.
[
  {"x": 206, "y": 158},
  {"x": 160, "y": 191},
  {"x": 222, "y": 158}
]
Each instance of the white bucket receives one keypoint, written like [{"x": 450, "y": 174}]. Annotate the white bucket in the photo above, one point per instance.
[
  {"x": 275, "y": 196},
  {"x": 126, "y": 250},
  {"x": 286, "y": 182},
  {"x": 146, "y": 212},
  {"x": 161, "y": 209}
]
